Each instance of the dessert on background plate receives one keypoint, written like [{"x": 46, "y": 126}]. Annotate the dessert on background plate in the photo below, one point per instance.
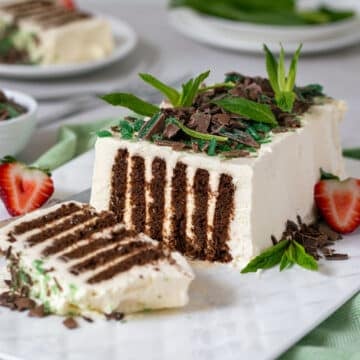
[
  {"x": 72, "y": 260},
  {"x": 220, "y": 169},
  {"x": 45, "y": 32}
]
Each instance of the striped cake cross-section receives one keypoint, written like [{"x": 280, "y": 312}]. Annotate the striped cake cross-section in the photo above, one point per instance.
[
  {"x": 77, "y": 259},
  {"x": 190, "y": 209}
]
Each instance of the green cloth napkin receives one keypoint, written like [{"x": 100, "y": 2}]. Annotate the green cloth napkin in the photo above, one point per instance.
[
  {"x": 336, "y": 338},
  {"x": 72, "y": 141}
]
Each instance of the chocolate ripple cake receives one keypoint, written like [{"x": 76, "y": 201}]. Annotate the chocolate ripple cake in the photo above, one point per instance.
[
  {"x": 211, "y": 183},
  {"x": 74, "y": 260},
  {"x": 43, "y": 32}
]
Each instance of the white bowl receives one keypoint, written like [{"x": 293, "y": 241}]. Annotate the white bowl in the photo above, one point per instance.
[{"x": 16, "y": 133}]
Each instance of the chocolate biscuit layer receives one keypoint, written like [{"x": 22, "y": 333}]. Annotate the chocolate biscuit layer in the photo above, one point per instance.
[
  {"x": 137, "y": 194},
  {"x": 146, "y": 256},
  {"x": 217, "y": 249},
  {"x": 157, "y": 193},
  {"x": 67, "y": 224},
  {"x": 40, "y": 222},
  {"x": 178, "y": 208},
  {"x": 201, "y": 191},
  {"x": 102, "y": 221},
  {"x": 98, "y": 244},
  {"x": 119, "y": 184}
]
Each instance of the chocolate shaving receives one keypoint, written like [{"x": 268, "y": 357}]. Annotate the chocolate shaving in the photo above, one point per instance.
[
  {"x": 115, "y": 315},
  {"x": 71, "y": 323},
  {"x": 235, "y": 153},
  {"x": 317, "y": 239},
  {"x": 38, "y": 311},
  {"x": 23, "y": 303}
]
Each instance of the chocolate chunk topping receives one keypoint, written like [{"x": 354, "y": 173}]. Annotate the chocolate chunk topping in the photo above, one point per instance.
[{"x": 199, "y": 121}]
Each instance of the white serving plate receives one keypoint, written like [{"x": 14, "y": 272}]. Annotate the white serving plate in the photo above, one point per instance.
[
  {"x": 241, "y": 36},
  {"x": 230, "y": 316},
  {"x": 125, "y": 42}
]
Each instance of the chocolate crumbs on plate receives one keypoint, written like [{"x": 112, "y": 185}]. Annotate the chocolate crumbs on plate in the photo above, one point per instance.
[
  {"x": 317, "y": 239},
  {"x": 71, "y": 323}
]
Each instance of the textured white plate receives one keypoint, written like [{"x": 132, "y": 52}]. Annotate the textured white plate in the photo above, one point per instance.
[
  {"x": 251, "y": 37},
  {"x": 230, "y": 316},
  {"x": 125, "y": 42}
]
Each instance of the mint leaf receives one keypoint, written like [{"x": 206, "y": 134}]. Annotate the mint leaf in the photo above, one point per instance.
[
  {"x": 353, "y": 153},
  {"x": 195, "y": 134},
  {"x": 247, "y": 108},
  {"x": 285, "y": 100},
  {"x": 327, "y": 176},
  {"x": 131, "y": 102},
  {"x": 290, "y": 81},
  {"x": 282, "y": 84},
  {"x": 104, "y": 133},
  {"x": 191, "y": 89},
  {"x": 272, "y": 69},
  {"x": 268, "y": 259},
  {"x": 302, "y": 258},
  {"x": 285, "y": 262},
  {"x": 171, "y": 94}
]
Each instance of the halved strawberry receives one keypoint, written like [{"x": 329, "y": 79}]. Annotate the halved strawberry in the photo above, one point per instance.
[
  {"x": 22, "y": 188},
  {"x": 69, "y": 4},
  {"x": 339, "y": 202}
]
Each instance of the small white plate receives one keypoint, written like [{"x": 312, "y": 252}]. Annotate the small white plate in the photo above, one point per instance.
[
  {"x": 125, "y": 42},
  {"x": 251, "y": 37}
]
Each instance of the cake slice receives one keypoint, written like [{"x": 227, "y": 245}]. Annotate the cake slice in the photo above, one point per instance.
[
  {"x": 211, "y": 183},
  {"x": 41, "y": 31},
  {"x": 74, "y": 260}
]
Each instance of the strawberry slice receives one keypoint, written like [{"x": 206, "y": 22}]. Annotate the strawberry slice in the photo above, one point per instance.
[
  {"x": 339, "y": 202},
  {"x": 68, "y": 4},
  {"x": 22, "y": 188}
]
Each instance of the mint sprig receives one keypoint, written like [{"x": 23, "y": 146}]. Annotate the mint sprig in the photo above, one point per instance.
[
  {"x": 247, "y": 108},
  {"x": 170, "y": 93},
  {"x": 189, "y": 90},
  {"x": 285, "y": 253},
  {"x": 283, "y": 84},
  {"x": 131, "y": 102},
  {"x": 195, "y": 134}
]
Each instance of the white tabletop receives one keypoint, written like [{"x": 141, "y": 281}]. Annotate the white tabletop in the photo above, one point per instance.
[{"x": 167, "y": 54}]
